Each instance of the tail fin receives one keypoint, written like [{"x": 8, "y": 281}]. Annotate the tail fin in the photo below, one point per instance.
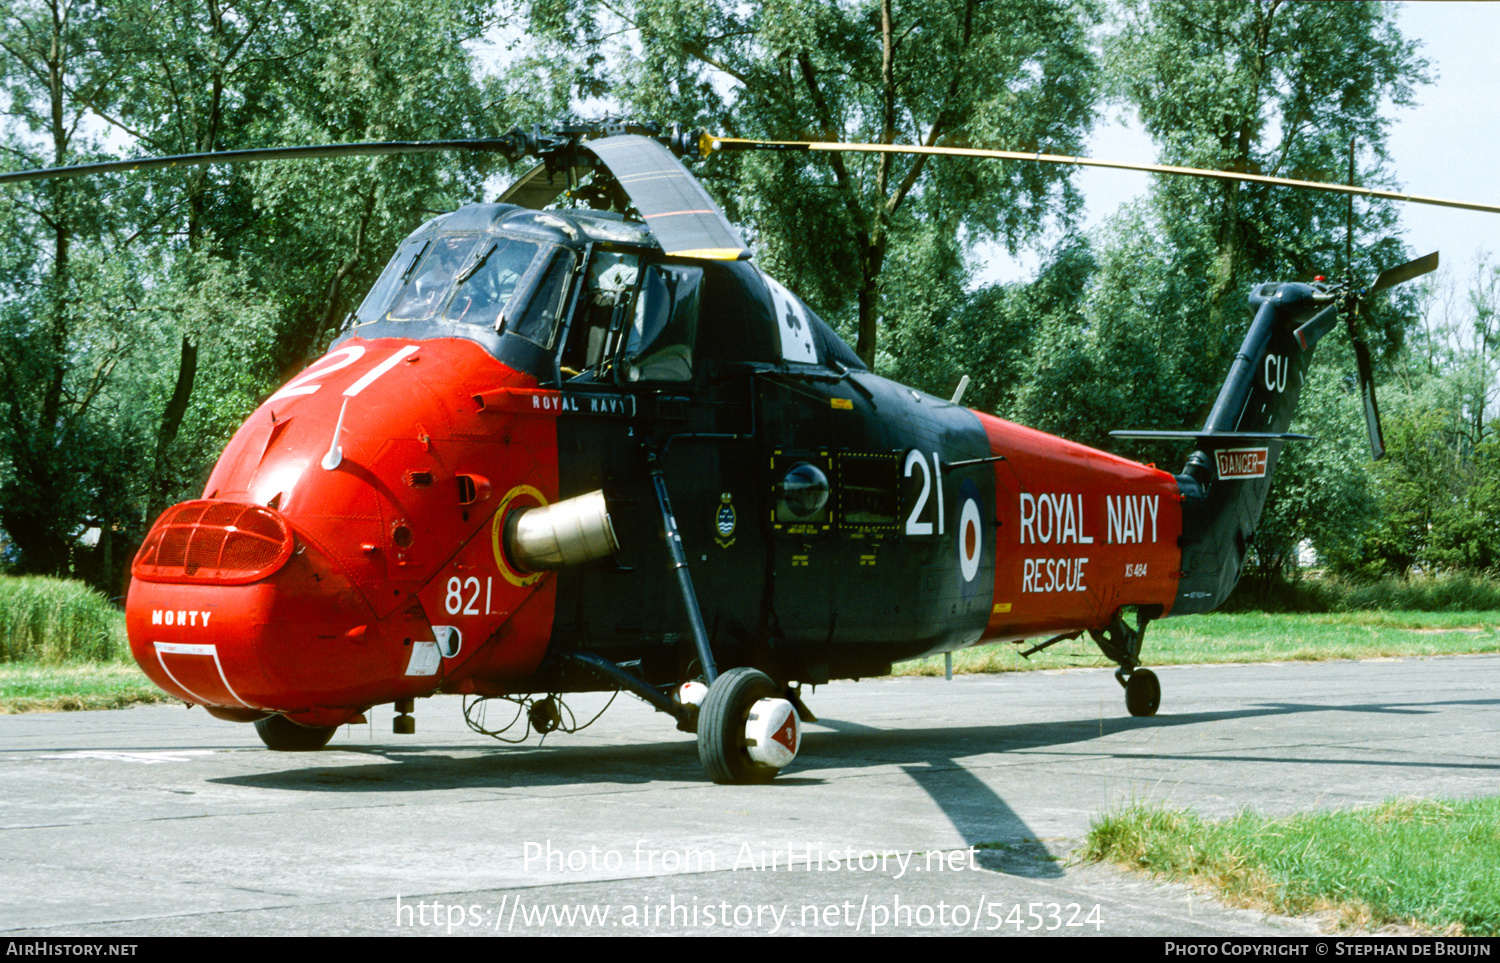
[{"x": 1228, "y": 475}]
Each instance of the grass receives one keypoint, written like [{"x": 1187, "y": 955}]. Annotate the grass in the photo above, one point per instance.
[
  {"x": 1425, "y": 593},
  {"x": 53, "y": 621},
  {"x": 63, "y": 646},
  {"x": 42, "y": 688},
  {"x": 1431, "y": 864},
  {"x": 1255, "y": 637}
]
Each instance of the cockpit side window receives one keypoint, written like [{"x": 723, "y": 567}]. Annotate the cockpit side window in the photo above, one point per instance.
[
  {"x": 591, "y": 339},
  {"x": 660, "y": 345},
  {"x": 536, "y": 321}
]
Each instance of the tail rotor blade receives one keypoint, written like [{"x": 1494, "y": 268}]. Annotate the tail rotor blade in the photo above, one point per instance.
[
  {"x": 1367, "y": 399},
  {"x": 1402, "y": 273}
]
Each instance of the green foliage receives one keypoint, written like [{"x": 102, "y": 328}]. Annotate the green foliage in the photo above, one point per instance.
[
  {"x": 143, "y": 317},
  {"x": 990, "y": 334},
  {"x": 1332, "y": 593},
  {"x": 1272, "y": 88},
  {"x": 53, "y": 622},
  {"x": 836, "y": 227},
  {"x": 1432, "y": 863},
  {"x": 1436, "y": 490}
]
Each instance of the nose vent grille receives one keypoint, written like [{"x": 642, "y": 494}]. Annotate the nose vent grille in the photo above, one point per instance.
[{"x": 213, "y": 542}]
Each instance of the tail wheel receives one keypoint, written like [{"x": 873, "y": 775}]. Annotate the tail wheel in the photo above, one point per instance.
[
  {"x": 721, "y": 727},
  {"x": 1143, "y": 693},
  {"x": 284, "y": 735}
]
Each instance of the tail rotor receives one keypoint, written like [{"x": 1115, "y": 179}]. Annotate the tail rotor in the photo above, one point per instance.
[{"x": 1350, "y": 301}]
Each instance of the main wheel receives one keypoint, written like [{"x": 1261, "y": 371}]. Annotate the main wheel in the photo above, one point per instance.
[
  {"x": 1143, "y": 693},
  {"x": 721, "y": 727},
  {"x": 284, "y": 735}
]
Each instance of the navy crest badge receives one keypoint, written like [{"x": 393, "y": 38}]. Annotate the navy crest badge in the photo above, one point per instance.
[{"x": 724, "y": 522}]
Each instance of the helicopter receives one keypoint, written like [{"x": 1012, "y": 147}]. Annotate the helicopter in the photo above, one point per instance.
[{"x": 599, "y": 449}]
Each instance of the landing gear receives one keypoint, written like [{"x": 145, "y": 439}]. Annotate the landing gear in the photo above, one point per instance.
[
  {"x": 1142, "y": 693},
  {"x": 1122, "y": 643},
  {"x": 284, "y": 735},
  {"x": 727, "y": 752}
]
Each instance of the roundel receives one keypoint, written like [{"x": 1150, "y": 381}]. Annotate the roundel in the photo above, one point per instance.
[{"x": 970, "y": 539}]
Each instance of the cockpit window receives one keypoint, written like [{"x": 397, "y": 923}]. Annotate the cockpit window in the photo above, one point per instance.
[
  {"x": 433, "y": 278},
  {"x": 536, "y": 321},
  {"x": 486, "y": 284},
  {"x": 394, "y": 275},
  {"x": 462, "y": 278}
]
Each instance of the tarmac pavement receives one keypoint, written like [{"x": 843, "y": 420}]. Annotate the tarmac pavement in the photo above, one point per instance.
[{"x": 917, "y": 806}]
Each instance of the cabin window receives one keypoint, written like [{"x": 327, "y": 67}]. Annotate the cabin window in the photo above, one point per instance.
[
  {"x": 801, "y": 494},
  {"x": 660, "y": 345},
  {"x": 869, "y": 491}
]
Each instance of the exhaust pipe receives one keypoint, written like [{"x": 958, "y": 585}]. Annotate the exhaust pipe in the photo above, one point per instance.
[{"x": 562, "y": 534}]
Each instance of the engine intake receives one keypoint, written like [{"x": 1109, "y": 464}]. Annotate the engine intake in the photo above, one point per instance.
[{"x": 214, "y": 543}]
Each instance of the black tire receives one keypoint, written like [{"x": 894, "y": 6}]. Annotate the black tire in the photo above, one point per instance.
[
  {"x": 1143, "y": 693},
  {"x": 284, "y": 735},
  {"x": 721, "y": 727}
]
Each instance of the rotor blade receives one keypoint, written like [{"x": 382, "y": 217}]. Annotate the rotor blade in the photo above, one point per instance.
[
  {"x": 1402, "y": 273},
  {"x": 710, "y": 143},
  {"x": 1367, "y": 399},
  {"x": 499, "y": 145},
  {"x": 685, "y": 220}
]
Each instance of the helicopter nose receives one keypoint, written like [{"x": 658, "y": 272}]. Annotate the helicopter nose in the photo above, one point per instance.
[
  {"x": 209, "y": 542},
  {"x": 230, "y": 609}
]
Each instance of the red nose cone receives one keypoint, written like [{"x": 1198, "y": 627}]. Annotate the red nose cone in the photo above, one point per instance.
[
  {"x": 230, "y": 609},
  {"x": 357, "y": 507}
]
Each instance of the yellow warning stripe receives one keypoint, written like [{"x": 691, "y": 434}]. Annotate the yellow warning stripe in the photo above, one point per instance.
[
  {"x": 711, "y": 253},
  {"x": 676, "y": 214}
]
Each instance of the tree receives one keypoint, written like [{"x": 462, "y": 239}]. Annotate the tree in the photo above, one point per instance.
[
  {"x": 1275, "y": 87},
  {"x": 49, "y": 379},
  {"x": 953, "y": 72},
  {"x": 1437, "y": 489},
  {"x": 163, "y": 306},
  {"x": 1271, "y": 87}
]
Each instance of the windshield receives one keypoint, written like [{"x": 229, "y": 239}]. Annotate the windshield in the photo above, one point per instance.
[
  {"x": 433, "y": 278},
  {"x": 464, "y": 278},
  {"x": 496, "y": 267},
  {"x": 394, "y": 275}
]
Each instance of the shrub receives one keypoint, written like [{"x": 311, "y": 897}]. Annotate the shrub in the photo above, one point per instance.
[{"x": 53, "y": 621}]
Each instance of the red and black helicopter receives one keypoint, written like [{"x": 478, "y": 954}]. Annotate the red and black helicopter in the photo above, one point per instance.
[{"x": 578, "y": 450}]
